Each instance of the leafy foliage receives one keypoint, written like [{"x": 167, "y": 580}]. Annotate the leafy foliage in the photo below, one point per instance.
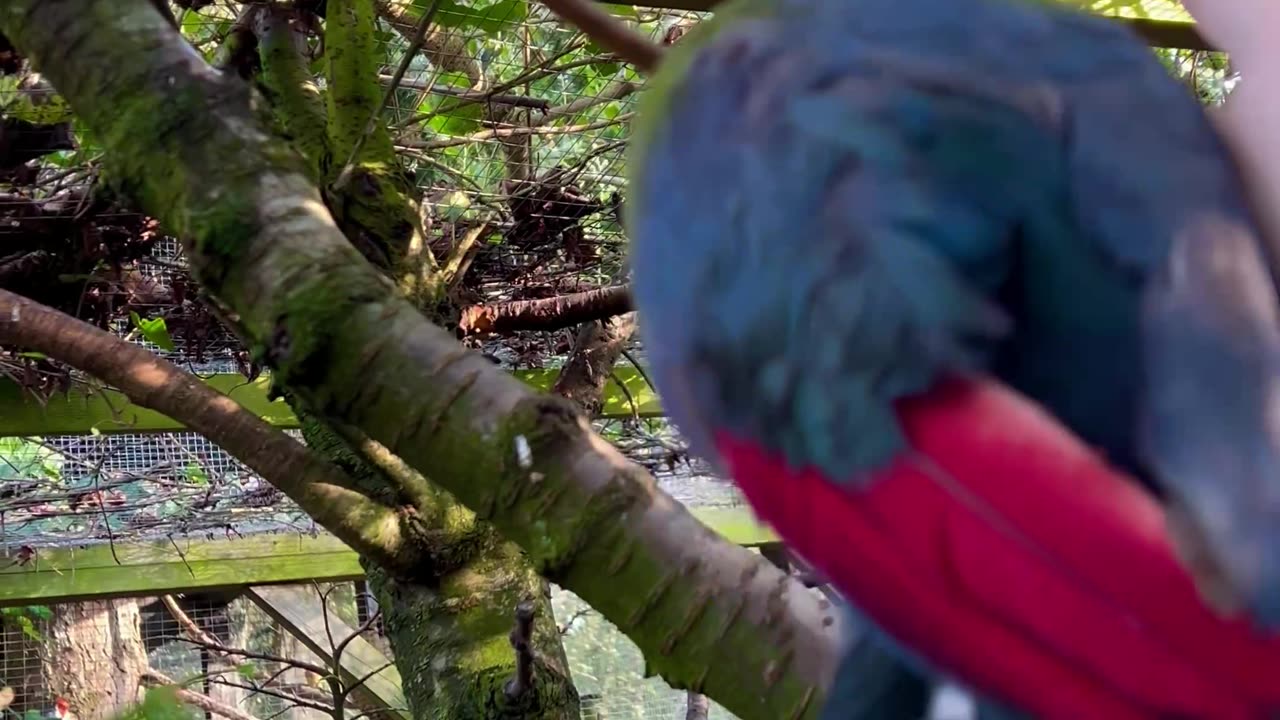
[{"x": 26, "y": 619}]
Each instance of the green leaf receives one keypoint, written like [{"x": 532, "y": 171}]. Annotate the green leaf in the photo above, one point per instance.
[
  {"x": 492, "y": 17},
  {"x": 160, "y": 703},
  {"x": 247, "y": 670},
  {"x": 33, "y": 355},
  {"x": 46, "y": 110},
  {"x": 623, "y": 10},
  {"x": 154, "y": 330},
  {"x": 196, "y": 474},
  {"x": 453, "y": 206},
  {"x": 458, "y": 121}
]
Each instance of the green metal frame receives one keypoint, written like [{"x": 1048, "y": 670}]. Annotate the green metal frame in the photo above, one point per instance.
[
  {"x": 107, "y": 411},
  {"x": 38, "y": 576}
]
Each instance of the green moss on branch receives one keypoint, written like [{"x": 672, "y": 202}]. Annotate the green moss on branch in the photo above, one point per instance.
[
  {"x": 298, "y": 102},
  {"x": 707, "y": 615},
  {"x": 355, "y": 95}
]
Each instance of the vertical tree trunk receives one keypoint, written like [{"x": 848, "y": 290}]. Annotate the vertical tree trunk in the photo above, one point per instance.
[{"x": 95, "y": 657}]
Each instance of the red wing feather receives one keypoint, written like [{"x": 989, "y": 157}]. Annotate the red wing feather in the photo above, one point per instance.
[{"x": 1006, "y": 552}]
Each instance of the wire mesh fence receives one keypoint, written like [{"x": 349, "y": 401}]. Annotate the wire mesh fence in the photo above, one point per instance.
[{"x": 225, "y": 648}]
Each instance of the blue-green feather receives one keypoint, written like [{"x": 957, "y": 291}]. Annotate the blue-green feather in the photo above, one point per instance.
[{"x": 843, "y": 201}]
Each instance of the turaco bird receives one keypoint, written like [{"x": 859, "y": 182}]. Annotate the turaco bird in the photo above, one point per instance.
[{"x": 967, "y": 298}]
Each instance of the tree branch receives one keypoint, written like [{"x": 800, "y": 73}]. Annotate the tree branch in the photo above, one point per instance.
[
  {"x": 299, "y": 104},
  {"x": 522, "y": 643},
  {"x": 547, "y": 314},
  {"x": 190, "y": 697},
  {"x": 186, "y": 144},
  {"x": 317, "y": 486},
  {"x": 354, "y": 94},
  {"x": 609, "y": 32}
]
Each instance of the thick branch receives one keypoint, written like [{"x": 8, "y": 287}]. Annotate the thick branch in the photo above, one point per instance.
[
  {"x": 548, "y": 314},
  {"x": 318, "y": 487},
  {"x": 708, "y": 615},
  {"x": 595, "y": 351}
]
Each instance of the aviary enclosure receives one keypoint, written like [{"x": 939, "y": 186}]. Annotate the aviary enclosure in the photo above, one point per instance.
[{"x": 135, "y": 554}]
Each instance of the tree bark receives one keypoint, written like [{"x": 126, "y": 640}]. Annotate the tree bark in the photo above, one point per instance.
[
  {"x": 187, "y": 143},
  {"x": 95, "y": 657},
  {"x": 697, "y": 707},
  {"x": 547, "y": 314}
]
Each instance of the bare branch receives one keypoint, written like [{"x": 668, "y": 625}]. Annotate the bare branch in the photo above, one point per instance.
[
  {"x": 188, "y": 625},
  {"x": 266, "y": 657},
  {"x": 515, "y": 131},
  {"x": 289, "y": 693},
  {"x": 191, "y": 697},
  {"x": 547, "y": 314},
  {"x": 609, "y": 33},
  {"x": 316, "y": 485}
]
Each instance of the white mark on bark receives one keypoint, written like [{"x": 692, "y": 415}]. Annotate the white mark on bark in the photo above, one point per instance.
[{"x": 524, "y": 454}]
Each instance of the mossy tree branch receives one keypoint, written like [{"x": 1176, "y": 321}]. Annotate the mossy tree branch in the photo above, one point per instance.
[
  {"x": 188, "y": 144},
  {"x": 300, "y": 106},
  {"x": 373, "y": 206},
  {"x": 351, "y": 51}
]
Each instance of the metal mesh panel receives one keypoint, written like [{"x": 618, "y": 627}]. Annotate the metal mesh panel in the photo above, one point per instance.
[
  {"x": 157, "y": 643},
  {"x": 75, "y": 489},
  {"x": 70, "y": 489},
  {"x": 607, "y": 668}
]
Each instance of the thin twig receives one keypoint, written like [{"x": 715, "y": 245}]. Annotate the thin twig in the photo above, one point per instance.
[
  {"x": 279, "y": 694},
  {"x": 265, "y": 657},
  {"x": 182, "y": 556},
  {"x": 517, "y": 131},
  {"x": 522, "y": 642},
  {"x": 360, "y": 681},
  {"x": 364, "y": 627}
]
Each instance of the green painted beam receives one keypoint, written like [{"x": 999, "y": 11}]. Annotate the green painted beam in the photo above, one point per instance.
[
  {"x": 187, "y": 565},
  {"x": 81, "y": 413},
  {"x": 153, "y": 568},
  {"x": 1160, "y": 23}
]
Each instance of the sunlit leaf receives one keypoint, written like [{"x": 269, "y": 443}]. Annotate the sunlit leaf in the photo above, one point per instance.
[
  {"x": 453, "y": 206},
  {"x": 160, "y": 703},
  {"x": 1169, "y": 10},
  {"x": 493, "y": 17},
  {"x": 154, "y": 330}
]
